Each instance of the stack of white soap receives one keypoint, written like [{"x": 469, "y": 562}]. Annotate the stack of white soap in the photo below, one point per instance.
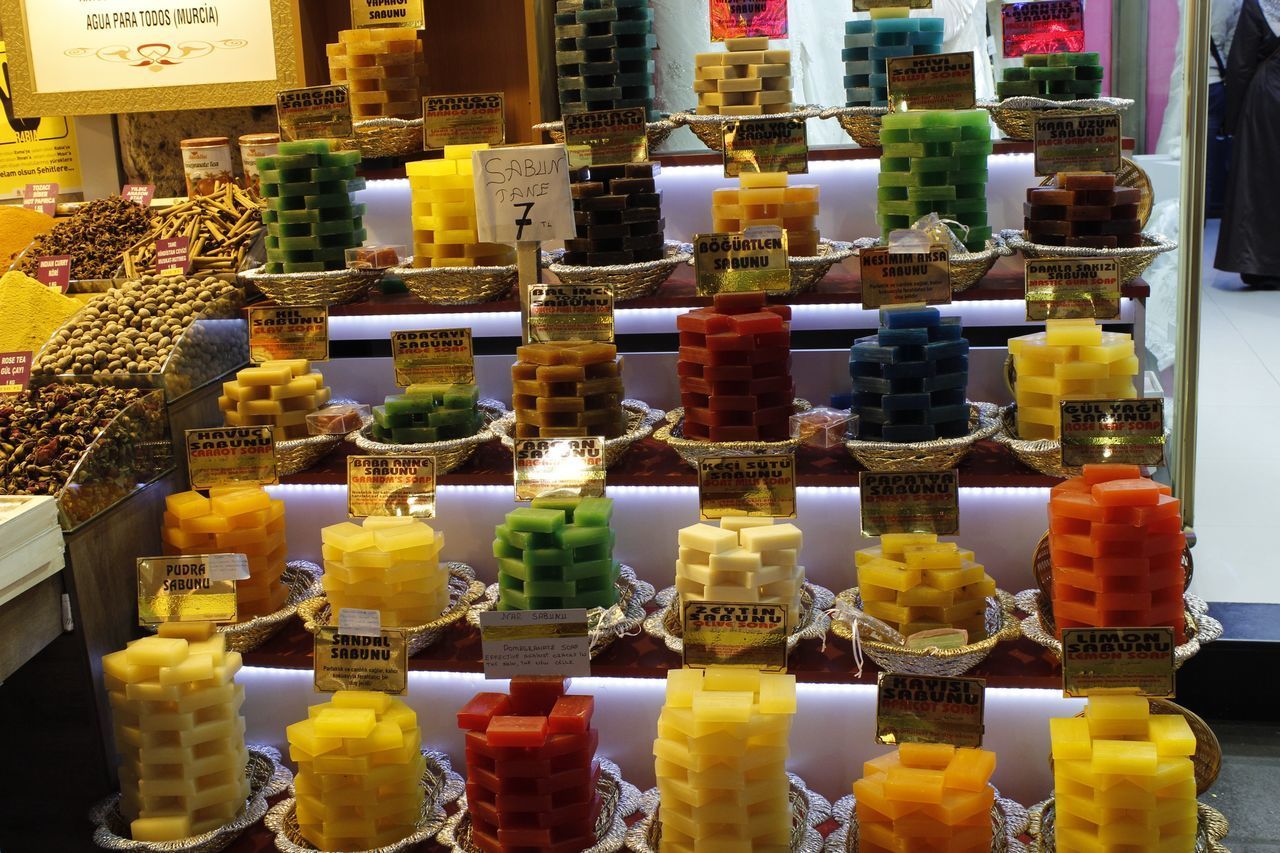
[{"x": 747, "y": 560}]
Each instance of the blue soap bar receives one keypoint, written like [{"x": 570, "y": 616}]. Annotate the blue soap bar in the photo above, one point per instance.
[
  {"x": 897, "y": 25},
  {"x": 859, "y": 98},
  {"x": 946, "y": 414},
  {"x": 858, "y": 25},
  {"x": 899, "y": 403},
  {"x": 946, "y": 349},
  {"x": 856, "y": 81},
  {"x": 859, "y": 68},
  {"x": 931, "y": 25},
  {"x": 948, "y": 397},
  {"x": 890, "y": 51},
  {"x": 909, "y": 370},
  {"x": 954, "y": 429},
  {"x": 931, "y": 41},
  {"x": 907, "y": 433},
  {"x": 880, "y": 81},
  {"x": 950, "y": 365},
  {"x": 893, "y": 337},
  {"x": 909, "y": 318},
  {"x": 889, "y": 39},
  {"x": 949, "y": 329},
  {"x": 860, "y": 40},
  {"x": 946, "y": 381}
]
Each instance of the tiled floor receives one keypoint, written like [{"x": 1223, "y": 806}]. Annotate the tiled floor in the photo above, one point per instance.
[{"x": 1245, "y": 791}]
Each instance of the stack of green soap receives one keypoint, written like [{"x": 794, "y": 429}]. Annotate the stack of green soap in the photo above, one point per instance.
[
  {"x": 556, "y": 554},
  {"x": 1054, "y": 76},
  {"x": 426, "y": 413},
  {"x": 935, "y": 161},
  {"x": 311, "y": 216}
]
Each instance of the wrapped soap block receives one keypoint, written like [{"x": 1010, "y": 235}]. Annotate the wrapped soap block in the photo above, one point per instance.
[
  {"x": 1084, "y": 209},
  {"x": 1070, "y": 360},
  {"x": 1054, "y": 77},
  {"x": 444, "y": 214},
  {"x": 720, "y": 758},
  {"x": 1116, "y": 543},
  {"x": 557, "y": 553},
  {"x": 868, "y": 45},
  {"x": 764, "y": 198},
  {"x": 279, "y": 394},
  {"x": 175, "y": 708},
  {"x": 916, "y": 583},
  {"x": 926, "y": 797},
  {"x": 745, "y": 560},
  {"x": 360, "y": 766},
  {"x": 426, "y": 413},
  {"x": 383, "y": 69},
  {"x": 311, "y": 214},
  {"x": 909, "y": 378},
  {"x": 604, "y": 55},
  {"x": 531, "y": 768},
  {"x": 618, "y": 211},
  {"x": 1124, "y": 778},
  {"x": 744, "y": 79},
  {"x": 388, "y": 564},
  {"x": 935, "y": 161},
  {"x": 237, "y": 519},
  {"x": 735, "y": 369},
  {"x": 568, "y": 389}
]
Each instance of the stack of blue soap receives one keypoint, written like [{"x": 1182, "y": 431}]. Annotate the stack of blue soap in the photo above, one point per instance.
[
  {"x": 868, "y": 43},
  {"x": 909, "y": 378}
]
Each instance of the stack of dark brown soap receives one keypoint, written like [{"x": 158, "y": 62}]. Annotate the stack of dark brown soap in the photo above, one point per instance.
[
  {"x": 618, "y": 210},
  {"x": 1084, "y": 209}
]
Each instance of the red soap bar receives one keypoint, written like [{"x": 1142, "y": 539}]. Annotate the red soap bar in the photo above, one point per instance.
[
  {"x": 1088, "y": 213},
  {"x": 535, "y": 694},
  {"x": 1050, "y": 196},
  {"x": 1101, "y": 473},
  {"x": 690, "y": 368},
  {"x": 508, "y": 803},
  {"x": 703, "y": 321},
  {"x": 571, "y": 714},
  {"x": 775, "y": 415},
  {"x": 1085, "y": 181},
  {"x": 483, "y": 707},
  {"x": 692, "y": 339},
  {"x": 768, "y": 355},
  {"x": 695, "y": 385},
  {"x": 738, "y": 303},
  {"x": 707, "y": 417},
  {"x": 726, "y": 403},
  {"x": 482, "y": 810},
  {"x": 783, "y": 311},
  {"x": 692, "y": 401},
  {"x": 485, "y": 839},
  {"x": 777, "y": 368},
  {"x": 758, "y": 323},
  {"x": 728, "y": 373},
  {"x": 771, "y": 385},
  {"x": 774, "y": 339},
  {"x": 517, "y": 731},
  {"x": 531, "y": 836},
  {"x": 1164, "y": 510},
  {"x": 1134, "y": 492},
  {"x": 733, "y": 389},
  {"x": 729, "y": 341},
  {"x": 695, "y": 430},
  {"x": 733, "y": 433}
]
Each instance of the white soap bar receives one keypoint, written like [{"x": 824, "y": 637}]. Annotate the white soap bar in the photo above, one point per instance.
[
  {"x": 691, "y": 589},
  {"x": 704, "y": 537},
  {"x": 773, "y": 538},
  {"x": 773, "y": 574},
  {"x": 740, "y": 522},
  {"x": 692, "y": 556},
  {"x": 736, "y": 560},
  {"x": 732, "y": 593},
  {"x": 694, "y": 572},
  {"x": 788, "y": 589},
  {"x": 781, "y": 557}
]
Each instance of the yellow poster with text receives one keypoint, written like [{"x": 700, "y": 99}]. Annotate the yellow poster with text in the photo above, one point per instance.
[{"x": 35, "y": 150}]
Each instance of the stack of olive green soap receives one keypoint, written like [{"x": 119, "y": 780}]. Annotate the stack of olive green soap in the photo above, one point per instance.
[
  {"x": 425, "y": 413},
  {"x": 557, "y": 554},
  {"x": 1054, "y": 77},
  {"x": 311, "y": 216}
]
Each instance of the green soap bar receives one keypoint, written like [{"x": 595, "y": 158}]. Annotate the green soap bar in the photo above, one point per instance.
[
  {"x": 594, "y": 512},
  {"x": 602, "y": 580},
  {"x": 888, "y": 135},
  {"x": 292, "y": 202},
  {"x": 976, "y": 131},
  {"x": 976, "y": 190},
  {"x": 582, "y": 571},
  {"x": 1062, "y": 73},
  {"x": 518, "y": 540},
  {"x": 307, "y": 243},
  {"x": 339, "y": 159},
  {"x": 305, "y": 146},
  {"x": 381, "y": 434},
  {"x": 968, "y": 205},
  {"x": 269, "y": 216},
  {"x": 415, "y": 435},
  {"x": 404, "y": 404},
  {"x": 1059, "y": 60},
  {"x": 934, "y": 134},
  {"x": 897, "y": 179},
  {"x": 271, "y": 242},
  {"x": 1075, "y": 87},
  {"x": 972, "y": 177},
  {"x": 551, "y": 589},
  {"x": 433, "y": 391},
  {"x": 904, "y": 149},
  {"x": 891, "y": 194},
  {"x": 605, "y": 598},
  {"x": 588, "y": 553},
  {"x": 293, "y": 217},
  {"x": 908, "y": 120},
  {"x": 568, "y": 504},
  {"x": 504, "y": 550},
  {"x": 932, "y": 164},
  {"x": 293, "y": 229},
  {"x": 294, "y": 161},
  {"x": 269, "y": 190},
  {"x": 511, "y": 568},
  {"x": 273, "y": 268},
  {"x": 1021, "y": 88},
  {"x": 460, "y": 430},
  {"x": 1083, "y": 58},
  {"x": 972, "y": 148},
  {"x": 316, "y": 202},
  {"x": 461, "y": 397},
  {"x": 1035, "y": 60},
  {"x": 336, "y": 226},
  {"x": 333, "y": 173},
  {"x": 533, "y": 520},
  {"x": 298, "y": 188},
  {"x": 350, "y": 213},
  {"x": 578, "y": 536},
  {"x": 509, "y": 599},
  {"x": 970, "y": 220},
  {"x": 931, "y": 193},
  {"x": 546, "y": 557},
  {"x": 387, "y": 420},
  {"x": 968, "y": 164},
  {"x": 303, "y": 266},
  {"x": 1016, "y": 74},
  {"x": 1090, "y": 72},
  {"x": 342, "y": 238},
  {"x": 449, "y": 417}
]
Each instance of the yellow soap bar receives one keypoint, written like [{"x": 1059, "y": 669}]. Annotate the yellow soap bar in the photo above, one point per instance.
[{"x": 345, "y": 722}]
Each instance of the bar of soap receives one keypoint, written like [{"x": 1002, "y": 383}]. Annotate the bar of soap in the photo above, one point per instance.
[
  {"x": 870, "y": 43},
  {"x": 1056, "y": 77},
  {"x": 311, "y": 215},
  {"x": 556, "y": 554},
  {"x": 752, "y": 563},
  {"x": 443, "y": 214},
  {"x": 1084, "y": 209},
  {"x": 766, "y": 199},
  {"x": 389, "y": 565},
  {"x": 428, "y": 412},
  {"x": 918, "y": 584},
  {"x": 279, "y": 394},
  {"x": 618, "y": 211},
  {"x": 568, "y": 389},
  {"x": 604, "y": 57},
  {"x": 745, "y": 79},
  {"x": 914, "y": 798}
]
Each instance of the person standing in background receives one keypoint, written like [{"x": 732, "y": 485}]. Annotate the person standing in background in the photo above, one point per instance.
[
  {"x": 1249, "y": 240},
  {"x": 964, "y": 29},
  {"x": 1222, "y": 30}
]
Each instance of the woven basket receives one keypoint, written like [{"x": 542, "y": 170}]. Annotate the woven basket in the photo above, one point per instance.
[
  {"x": 385, "y": 137},
  {"x": 967, "y": 268},
  {"x": 456, "y": 285},
  {"x": 641, "y": 421},
  {"x": 1211, "y": 829},
  {"x": 1008, "y": 822},
  {"x": 448, "y": 455},
  {"x": 1130, "y": 175},
  {"x": 657, "y": 131},
  {"x": 937, "y": 455},
  {"x": 628, "y": 281},
  {"x": 1041, "y": 454},
  {"x": 667, "y": 622},
  {"x": 710, "y": 128},
  {"x": 1016, "y": 117},
  {"x": 311, "y": 289},
  {"x": 861, "y": 123},
  {"x": 691, "y": 450},
  {"x": 1133, "y": 262}
]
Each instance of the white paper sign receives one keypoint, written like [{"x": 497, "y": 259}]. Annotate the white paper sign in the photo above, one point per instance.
[
  {"x": 358, "y": 622},
  {"x": 535, "y": 642},
  {"x": 227, "y": 567},
  {"x": 522, "y": 194}
]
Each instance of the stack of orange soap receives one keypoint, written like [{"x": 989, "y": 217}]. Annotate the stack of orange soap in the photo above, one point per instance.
[
  {"x": 383, "y": 69},
  {"x": 763, "y": 198},
  {"x": 277, "y": 394},
  {"x": 1116, "y": 543},
  {"x": 234, "y": 520},
  {"x": 745, "y": 79},
  {"x": 926, "y": 798},
  {"x": 568, "y": 389}
]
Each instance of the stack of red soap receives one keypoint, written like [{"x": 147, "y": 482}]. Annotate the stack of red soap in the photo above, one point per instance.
[
  {"x": 735, "y": 369},
  {"x": 531, "y": 769},
  {"x": 1084, "y": 209},
  {"x": 1116, "y": 544}
]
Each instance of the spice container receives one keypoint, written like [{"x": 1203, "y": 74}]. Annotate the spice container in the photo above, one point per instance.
[
  {"x": 207, "y": 164},
  {"x": 253, "y": 146}
]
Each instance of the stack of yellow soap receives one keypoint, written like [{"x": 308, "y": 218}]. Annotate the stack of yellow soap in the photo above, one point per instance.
[
  {"x": 383, "y": 69},
  {"x": 1123, "y": 778},
  {"x": 720, "y": 759},
  {"x": 925, "y": 798},
  {"x": 763, "y": 198},
  {"x": 391, "y": 565},
  {"x": 360, "y": 767},
  {"x": 1070, "y": 360},
  {"x": 444, "y": 214},
  {"x": 178, "y": 729},
  {"x": 234, "y": 520},
  {"x": 745, "y": 79},
  {"x": 749, "y": 560},
  {"x": 916, "y": 583},
  {"x": 278, "y": 394}
]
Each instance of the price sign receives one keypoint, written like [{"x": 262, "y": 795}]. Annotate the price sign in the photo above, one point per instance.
[
  {"x": 939, "y": 81},
  {"x": 915, "y": 502},
  {"x": 535, "y": 642},
  {"x": 522, "y": 194},
  {"x": 354, "y": 661},
  {"x": 607, "y": 137},
  {"x": 41, "y": 197},
  {"x": 223, "y": 456},
  {"x": 1042, "y": 26},
  {"x": 765, "y": 145},
  {"x": 748, "y": 18},
  {"x": 1127, "y": 432},
  {"x": 545, "y": 466},
  {"x": 191, "y": 588},
  {"x": 401, "y": 486},
  {"x": 1080, "y": 143},
  {"x": 733, "y": 634},
  {"x": 755, "y": 259},
  {"x": 173, "y": 255},
  {"x": 55, "y": 271},
  {"x": 15, "y": 370},
  {"x": 930, "y": 709},
  {"x": 761, "y": 485},
  {"x": 139, "y": 193},
  {"x": 359, "y": 622},
  {"x": 433, "y": 356},
  {"x": 463, "y": 120},
  {"x": 314, "y": 112},
  {"x": 279, "y": 332},
  {"x": 366, "y": 14},
  {"x": 1073, "y": 288},
  {"x": 1111, "y": 660},
  {"x": 568, "y": 312},
  {"x": 894, "y": 277}
]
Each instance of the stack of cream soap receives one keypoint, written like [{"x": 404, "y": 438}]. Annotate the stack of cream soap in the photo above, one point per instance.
[
  {"x": 391, "y": 565},
  {"x": 747, "y": 560}
]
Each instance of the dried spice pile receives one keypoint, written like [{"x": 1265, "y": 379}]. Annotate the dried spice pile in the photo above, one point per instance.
[{"x": 96, "y": 237}]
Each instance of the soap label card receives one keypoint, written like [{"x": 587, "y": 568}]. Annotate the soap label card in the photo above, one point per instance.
[
  {"x": 1079, "y": 143},
  {"x": 173, "y": 255},
  {"x": 366, "y": 14},
  {"x": 139, "y": 193},
  {"x": 15, "y": 370},
  {"x": 755, "y": 259},
  {"x": 41, "y": 197},
  {"x": 564, "y": 312},
  {"x": 734, "y": 634},
  {"x": 185, "y": 589},
  {"x": 314, "y": 112},
  {"x": 1112, "y": 660},
  {"x": 535, "y": 642},
  {"x": 433, "y": 356},
  {"x": 765, "y": 145},
  {"x": 762, "y": 485},
  {"x": 915, "y": 502},
  {"x": 463, "y": 120},
  {"x": 748, "y": 18},
  {"x": 607, "y": 137},
  {"x": 1073, "y": 288},
  {"x": 359, "y": 622},
  {"x": 560, "y": 466},
  {"x": 939, "y": 81},
  {"x": 54, "y": 271},
  {"x": 400, "y": 486},
  {"x": 1125, "y": 432},
  {"x": 930, "y": 709},
  {"x": 278, "y": 332},
  {"x": 221, "y": 456},
  {"x": 522, "y": 194},
  {"x": 1042, "y": 26},
  {"x": 349, "y": 661},
  {"x": 895, "y": 277},
  {"x": 868, "y": 5},
  {"x": 227, "y": 566}
]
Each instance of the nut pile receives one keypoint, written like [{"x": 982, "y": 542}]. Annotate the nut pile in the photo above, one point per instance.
[
  {"x": 221, "y": 228},
  {"x": 96, "y": 237}
]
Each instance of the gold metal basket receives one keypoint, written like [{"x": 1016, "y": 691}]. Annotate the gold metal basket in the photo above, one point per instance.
[
  {"x": 1016, "y": 117},
  {"x": 456, "y": 285},
  {"x": 667, "y": 624},
  {"x": 861, "y": 123},
  {"x": 641, "y": 421},
  {"x": 710, "y": 128},
  {"x": 692, "y": 449},
  {"x": 1133, "y": 262},
  {"x": 1211, "y": 829},
  {"x": 1041, "y": 454},
  {"x": 937, "y": 455},
  {"x": 1008, "y": 823},
  {"x": 385, "y": 137},
  {"x": 967, "y": 268},
  {"x": 299, "y": 289},
  {"x": 449, "y": 454},
  {"x": 657, "y": 131},
  {"x": 807, "y": 271},
  {"x": 628, "y": 281}
]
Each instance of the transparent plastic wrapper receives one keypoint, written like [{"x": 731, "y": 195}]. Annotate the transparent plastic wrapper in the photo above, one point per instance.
[
  {"x": 824, "y": 427},
  {"x": 375, "y": 257},
  {"x": 338, "y": 420}
]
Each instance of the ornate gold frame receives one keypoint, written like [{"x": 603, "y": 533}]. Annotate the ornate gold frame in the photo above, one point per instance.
[{"x": 286, "y": 25}]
